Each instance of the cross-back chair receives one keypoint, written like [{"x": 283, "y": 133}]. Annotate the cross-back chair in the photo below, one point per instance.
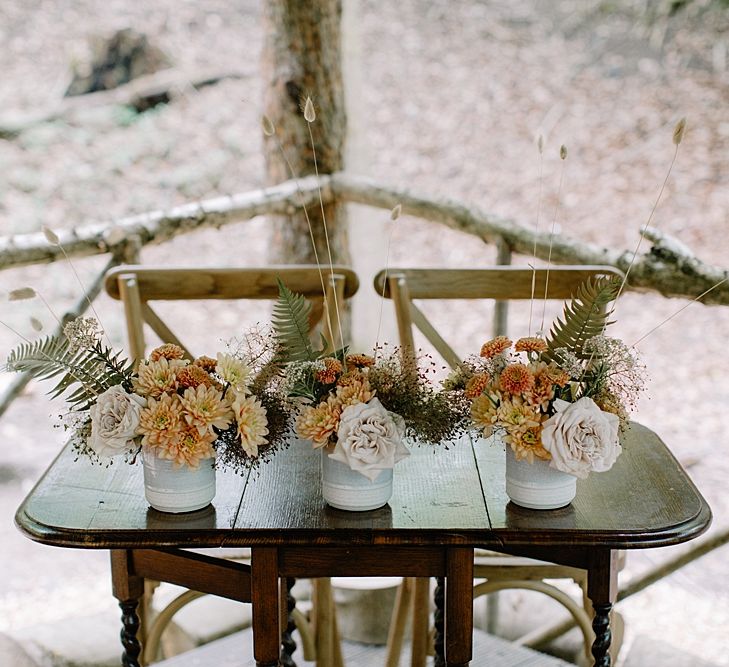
[
  {"x": 137, "y": 285},
  {"x": 502, "y": 284}
]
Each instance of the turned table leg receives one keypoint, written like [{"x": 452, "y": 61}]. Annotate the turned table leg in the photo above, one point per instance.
[
  {"x": 288, "y": 645},
  {"x": 602, "y": 576},
  {"x": 438, "y": 622},
  {"x": 128, "y": 588}
]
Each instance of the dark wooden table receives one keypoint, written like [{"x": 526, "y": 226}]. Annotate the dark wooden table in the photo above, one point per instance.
[{"x": 445, "y": 503}]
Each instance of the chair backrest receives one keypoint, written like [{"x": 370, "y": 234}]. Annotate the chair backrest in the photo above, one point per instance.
[
  {"x": 500, "y": 282},
  {"x": 136, "y": 286}
]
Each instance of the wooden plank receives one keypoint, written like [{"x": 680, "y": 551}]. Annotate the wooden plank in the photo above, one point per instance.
[
  {"x": 80, "y": 504},
  {"x": 504, "y": 282},
  {"x": 362, "y": 561},
  {"x": 645, "y": 498},
  {"x": 176, "y": 283},
  {"x": 432, "y": 488},
  {"x": 196, "y": 571},
  {"x": 438, "y": 498}
]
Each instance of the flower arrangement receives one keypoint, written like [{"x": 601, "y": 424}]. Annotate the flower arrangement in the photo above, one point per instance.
[
  {"x": 358, "y": 407},
  {"x": 562, "y": 399},
  {"x": 178, "y": 409}
]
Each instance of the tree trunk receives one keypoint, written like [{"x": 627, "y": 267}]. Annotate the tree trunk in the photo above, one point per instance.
[{"x": 302, "y": 57}]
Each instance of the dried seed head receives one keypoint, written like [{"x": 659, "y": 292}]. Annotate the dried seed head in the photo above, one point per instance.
[
  {"x": 679, "y": 130},
  {"x": 22, "y": 294},
  {"x": 51, "y": 236},
  {"x": 540, "y": 144},
  {"x": 395, "y": 213},
  {"x": 563, "y": 152},
  {"x": 36, "y": 324},
  {"x": 267, "y": 126},
  {"x": 309, "y": 113}
]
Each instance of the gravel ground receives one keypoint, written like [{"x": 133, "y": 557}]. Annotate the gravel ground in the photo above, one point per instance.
[{"x": 451, "y": 96}]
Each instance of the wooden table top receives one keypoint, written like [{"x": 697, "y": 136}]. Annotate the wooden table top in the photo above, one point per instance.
[{"x": 441, "y": 497}]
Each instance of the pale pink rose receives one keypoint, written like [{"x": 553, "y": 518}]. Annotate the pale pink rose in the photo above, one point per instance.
[
  {"x": 581, "y": 438},
  {"x": 114, "y": 421},
  {"x": 369, "y": 439}
]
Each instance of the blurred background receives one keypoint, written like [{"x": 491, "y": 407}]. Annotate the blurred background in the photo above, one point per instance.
[{"x": 445, "y": 97}]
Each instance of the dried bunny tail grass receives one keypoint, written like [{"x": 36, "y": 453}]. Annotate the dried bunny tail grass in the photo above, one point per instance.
[
  {"x": 53, "y": 239},
  {"x": 267, "y": 124},
  {"x": 25, "y": 293},
  {"x": 678, "y": 132},
  {"x": 394, "y": 216},
  {"x": 309, "y": 112},
  {"x": 533, "y": 265},
  {"x": 22, "y": 294},
  {"x": 310, "y": 116},
  {"x": 563, "y": 156},
  {"x": 269, "y": 129}
]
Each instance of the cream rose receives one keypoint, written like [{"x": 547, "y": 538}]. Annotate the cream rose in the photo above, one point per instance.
[
  {"x": 114, "y": 421},
  {"x": 581, "y": 438},
  {"x": 369, "y": 439}
]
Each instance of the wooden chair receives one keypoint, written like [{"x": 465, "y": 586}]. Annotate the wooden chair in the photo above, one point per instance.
[
  {"x": 137, "y": 286},
  {"x": 502, "y": 283}
]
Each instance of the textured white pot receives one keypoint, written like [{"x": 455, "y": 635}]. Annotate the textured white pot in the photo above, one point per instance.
[
  {"x": 170, "y": 488},
  {"x": 346, "y": 489},
  {"x": 536, "y": 485}
]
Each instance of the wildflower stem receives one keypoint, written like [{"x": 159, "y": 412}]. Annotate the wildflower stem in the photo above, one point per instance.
[
  {"x": 311, "y": 230},
  {"x": 540, "y": 145},
  {"x": 17, "y": 333},
  {"x": 384, "y": 287},
  {"x": 680, "y": 310},
  {"x": 647, "y": 222},
  {"x": 326, "y": 238},
  {"x": 50, "y": 310},
  {"x": 85, "y": 293},
  {"x": 551, "y": 241}
]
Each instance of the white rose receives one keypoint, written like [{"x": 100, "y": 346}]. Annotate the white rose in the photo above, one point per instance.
[
  {"x": 581, "y": 438},
  {"x": 369, "y": 439},
  {"x": 114, "y": 421}
]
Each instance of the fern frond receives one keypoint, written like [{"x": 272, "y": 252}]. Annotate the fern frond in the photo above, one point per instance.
[
  {"x": 584, "y": 317},
  {"x": 291, "y": 325},
  {"x": 93, "y": 370}
]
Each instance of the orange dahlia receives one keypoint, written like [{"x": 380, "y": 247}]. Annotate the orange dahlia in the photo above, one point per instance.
[
  {"x": 495, "y": 346},
  {"x": 531, "y": 344},
  {"x": 476, "y": 385},
  {"x": 167, "y": 351},
  {"x": 516, "y": 379}
]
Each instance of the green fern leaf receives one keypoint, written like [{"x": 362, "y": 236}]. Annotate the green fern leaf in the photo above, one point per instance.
[
  {"x": 93, "y": 370},
  {"x": 291, "y": 325},
  {"x": 584, "y": 317}
]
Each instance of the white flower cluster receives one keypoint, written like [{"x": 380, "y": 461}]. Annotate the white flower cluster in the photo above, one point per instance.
[{"x": 82, "y": 333}]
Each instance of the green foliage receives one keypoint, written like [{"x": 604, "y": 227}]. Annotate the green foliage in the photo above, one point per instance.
[
  {"x": 94, "y": 369},
  {"x": 585, "y": 316},
  {"x": 291, "y": 325}
]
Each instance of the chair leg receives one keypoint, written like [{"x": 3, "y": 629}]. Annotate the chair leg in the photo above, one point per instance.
[
  {"x": 324, "y": 622},
  {"x": 421, "y": 624},
  {"x": 398, "y": 622}
]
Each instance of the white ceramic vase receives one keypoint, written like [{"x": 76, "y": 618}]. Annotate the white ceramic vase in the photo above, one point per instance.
[
  {"x": 536, "y": 485},
  {"x": 175, "y": 489},
  {"x": 346, "y": 489}
]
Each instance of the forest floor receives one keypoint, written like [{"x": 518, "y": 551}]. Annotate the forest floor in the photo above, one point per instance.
[{"x": 446, "y": 98}]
